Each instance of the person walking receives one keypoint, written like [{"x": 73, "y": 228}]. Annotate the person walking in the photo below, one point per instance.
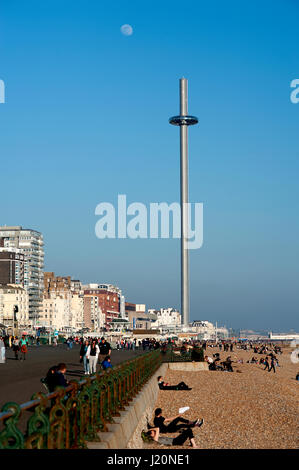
[
  {"x": 24, "y": 347},
  {"x": 83, "y": 358},
  {"x": 105, "y": 349},
  {"x": 272, "y": 364},
  {"x": 266, "y": 364},
  {"x": 92, "y": 355},
  {"x": 2, "y": 351},
  {"x": 16, "y": 348}
]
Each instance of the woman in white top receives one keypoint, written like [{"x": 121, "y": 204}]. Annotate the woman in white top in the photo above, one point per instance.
[{"x": 92, "y": 355}]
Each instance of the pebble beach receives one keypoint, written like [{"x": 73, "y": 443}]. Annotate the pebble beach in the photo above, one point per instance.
[{"x": 246, "y": 409}]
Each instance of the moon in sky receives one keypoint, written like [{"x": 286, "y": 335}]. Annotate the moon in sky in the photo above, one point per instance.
[{"x": 126, "y": 30}]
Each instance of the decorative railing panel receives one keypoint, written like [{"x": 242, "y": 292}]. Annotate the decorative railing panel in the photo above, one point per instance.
[{"x": 69, "y": 417}]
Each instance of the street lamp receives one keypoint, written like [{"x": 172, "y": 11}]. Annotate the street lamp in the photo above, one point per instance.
[{"x": 14, "y": 319}]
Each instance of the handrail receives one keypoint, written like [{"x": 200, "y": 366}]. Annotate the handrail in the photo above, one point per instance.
[{"x": 68, "y": 417}]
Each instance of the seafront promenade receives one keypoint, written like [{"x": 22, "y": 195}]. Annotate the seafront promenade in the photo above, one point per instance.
[
  {"x": 21, "y": 379},
  {"x": 249, "y": 409}
]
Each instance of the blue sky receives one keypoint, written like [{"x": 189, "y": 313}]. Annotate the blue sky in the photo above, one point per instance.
[{"x": 86, "y": 118}]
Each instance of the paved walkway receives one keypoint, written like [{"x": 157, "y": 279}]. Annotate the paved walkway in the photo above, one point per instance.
[{"x": 19, "y": 380}]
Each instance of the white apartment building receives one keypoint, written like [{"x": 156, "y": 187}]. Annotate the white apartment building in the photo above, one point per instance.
[
  {"x": 30, "y": 243},
  {"x": 77, "y": 311},
  {"x": 56, "y": 311},
  {"x": 208, "y": 331},
  {"x": 12, "y": 295},
  {"x": 166, "y": 317}
]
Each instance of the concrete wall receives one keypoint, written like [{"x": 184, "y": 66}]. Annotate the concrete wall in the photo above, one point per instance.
[
  {"x": 125, "y": 426},
  {"x": 188, "y": 366}
]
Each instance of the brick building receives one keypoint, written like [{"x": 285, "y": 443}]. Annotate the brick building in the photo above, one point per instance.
[
  {"x": 102, "y": 304},
  {"x": 62, "y": 303}
]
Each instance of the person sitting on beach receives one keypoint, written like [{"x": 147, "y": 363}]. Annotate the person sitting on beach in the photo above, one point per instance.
[
  {"x": 173, "y": 426},
  {"x": 209, "y": 359},
  {"x": 212, "y": 363},
  {"x": 253, "y": 360},
  {"x": 228, "y": 364},
  {"x": 172, "y": 441},
  {"x": 166, "y": 386}
]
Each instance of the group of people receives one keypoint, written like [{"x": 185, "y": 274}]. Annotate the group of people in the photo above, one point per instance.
[
  {"x": 19, "y": 346},
  {"x": 94, "y": 351},
  {"x": 162, "y": 425},
  {"x": 270, "y": 361},
  {"x": 273, "y": 362},
  {"x": 215, "y": 363},
  {"x": 171, "y": 425}
]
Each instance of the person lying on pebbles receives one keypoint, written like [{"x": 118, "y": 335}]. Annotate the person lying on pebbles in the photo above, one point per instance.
[
  {"x": 173, "y": 441},
  {"x": 166, "y": 386},
  {"x": 173, "y": 426}
]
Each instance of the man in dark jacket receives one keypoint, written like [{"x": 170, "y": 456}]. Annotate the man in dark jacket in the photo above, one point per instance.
[{"x": 105, "y": 349}]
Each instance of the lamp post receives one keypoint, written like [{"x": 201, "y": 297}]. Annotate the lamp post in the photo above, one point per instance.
[
  {"x": 14, "y": 318},
  {"x": 183, "y": 120}
]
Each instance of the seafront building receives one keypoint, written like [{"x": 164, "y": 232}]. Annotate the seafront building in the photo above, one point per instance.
[
  {"x": 12, "y": 266},
  {"x": 208, "y": 331},
  {"x": 63, "y": 303},
  {"x": 11, "y": 296},
  {"x": 284, "y": 336},
  {"x": 166, "y": 317},
  {"x": 56, "y": 306},
  {"x": 27, "y": 272},
  {"x": 103, "y": 303}
]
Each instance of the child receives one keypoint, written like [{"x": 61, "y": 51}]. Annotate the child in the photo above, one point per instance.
[{"x": 106, "y": 364}]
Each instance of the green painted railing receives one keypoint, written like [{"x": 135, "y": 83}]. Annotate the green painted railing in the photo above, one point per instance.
[{"x": 69, "y": 417}]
